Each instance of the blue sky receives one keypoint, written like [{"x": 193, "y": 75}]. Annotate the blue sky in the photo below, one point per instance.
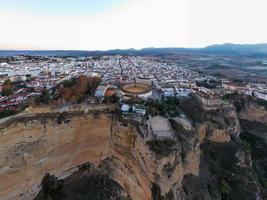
[{"x": 59, "y": 7}]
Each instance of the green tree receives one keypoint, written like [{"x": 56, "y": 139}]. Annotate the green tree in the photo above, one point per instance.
[
  {"x": 45, "y": 97},
  {"x": 131, "y": 109},
  {"x": 7, "y": 88}
]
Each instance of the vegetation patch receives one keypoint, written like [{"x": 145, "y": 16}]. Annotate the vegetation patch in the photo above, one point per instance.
[
  {"x": 89, "y": 182},
  {"x": 162, "y": 147}
]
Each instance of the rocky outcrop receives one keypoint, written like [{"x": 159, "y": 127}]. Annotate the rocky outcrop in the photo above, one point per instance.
[
  {"x": 250, "y": 109},
  {"x": 220, "y": 125},
  {"x": 167, "y": 170},
  {"x": 227, "y": 165},
  {"x": 214, "y": 125},
  {"x": 226, "y": 172},
  {"x": 32, "y": 146},
  {"x": 221, "y": 156},
  {"x": 253, "y": 120},
  {"x": 89, "y": 182},
  {"x": 139, "y": 166}
]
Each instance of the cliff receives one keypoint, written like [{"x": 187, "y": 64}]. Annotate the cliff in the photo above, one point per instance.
[
  {"x": 32, "y": 146},
  {"x": 149, "y": 164},
  {"x": 221, "y": 156},
  {"x": 56, "y": 143},
  {"x": 88, "y": 182},
  {"x": 214, "y": 125},
  {"x": 232, "y": 166}
]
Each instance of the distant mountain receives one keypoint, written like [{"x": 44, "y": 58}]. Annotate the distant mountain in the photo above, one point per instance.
[
  {"x": 239, "y": 49},
  {"x": 217, "y": 66},
  {"x": 225, "y": 49}
]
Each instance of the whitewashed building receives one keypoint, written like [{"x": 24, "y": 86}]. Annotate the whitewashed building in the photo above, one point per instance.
[{"x": 260, "y": 94}]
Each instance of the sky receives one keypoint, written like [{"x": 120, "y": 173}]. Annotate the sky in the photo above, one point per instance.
[{"x": 122, "y": 24}]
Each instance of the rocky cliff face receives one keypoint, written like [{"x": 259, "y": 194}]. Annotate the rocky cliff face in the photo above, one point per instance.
[
  {"x": 214, "y": 125},
  {"x": 160, "y": 164},
  {"x": 88, "y": 182},
  {"x": 33, "y": 146},
  {"x": 222, "y": 156},
  {"x": 233, "y": 166},
  {"x": 253, "y": 120},
  {"x": 250, "y": 109}
]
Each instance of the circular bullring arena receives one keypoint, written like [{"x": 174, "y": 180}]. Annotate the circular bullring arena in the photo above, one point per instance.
[{"x": 137, "y": 89}]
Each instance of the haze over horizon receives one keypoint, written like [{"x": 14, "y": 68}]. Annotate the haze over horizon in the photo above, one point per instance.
[{"x": 124, "y": 24}]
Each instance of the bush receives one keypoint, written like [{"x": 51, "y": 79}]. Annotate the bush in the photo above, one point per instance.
[
  {"x": 69, "y": 83},
  {"x": 263, "y": 181},
  {"x": 51, "y": 187},
  {"x": 7, "y": 88},
  {"x": 247, "y": 146},
  {"x": 225, "y": 188},
  {"x": 6, "y": 113},
  {"x": 163, "y": 148},
  {"x": 262, "y": 103}
]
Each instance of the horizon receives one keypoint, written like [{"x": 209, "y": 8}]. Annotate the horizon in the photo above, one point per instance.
[
  {"x": 135, "y": 49},
  {"x": 124, "y": 24}
]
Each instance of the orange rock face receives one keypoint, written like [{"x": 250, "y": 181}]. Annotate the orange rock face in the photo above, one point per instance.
[{"x": 29, "y": 150}]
